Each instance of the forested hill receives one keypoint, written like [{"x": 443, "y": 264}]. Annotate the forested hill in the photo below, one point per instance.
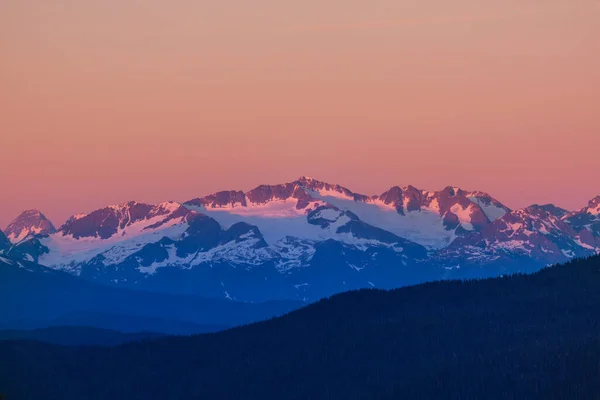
[
  {"x": 526, "y": 337},
  {"x": 77, "y": 336}
]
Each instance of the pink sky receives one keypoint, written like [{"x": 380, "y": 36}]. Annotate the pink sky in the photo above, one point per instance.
[{"x": 113, "y": 100}]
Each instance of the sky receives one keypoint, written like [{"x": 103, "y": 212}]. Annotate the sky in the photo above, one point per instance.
[{"x": 150, "y": 100}]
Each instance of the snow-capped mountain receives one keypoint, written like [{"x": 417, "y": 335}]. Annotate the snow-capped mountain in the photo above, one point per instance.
[
  {"x": 27, "y": 223},
  {"x": 431, "y": 219},
  {"x": 531, "y": 237},
  {"x": 307, "y": 238},
  {"x": 586, "y": 222},
  {"x": 161, "y": 246},
  {"x": 113, "y": 232}
]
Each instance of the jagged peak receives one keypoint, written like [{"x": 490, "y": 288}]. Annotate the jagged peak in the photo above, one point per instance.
[
  {"x": 536, "y": 212},
  {"x": 594, "y": 206},
  {"x": 309, "y": 188},
  {"x": 549, "y": 208},
  {"x": 169, "y": 206},
  {"x": 305, "y": 178},
  {"x": 452, "y": 190},
  {"x": 411, "y": 188},
  {"x": 27, "y": 223},
  {"x": 105, "y": 222},
  {"x": 393, "y": 191},
  {"x": 32, "y": 212},
  {"x": 592, "y": 210},
  {"x": 126, "y": 205},
  {"x": 478, "y": 193},
  {"x": 310, "y": 183}
]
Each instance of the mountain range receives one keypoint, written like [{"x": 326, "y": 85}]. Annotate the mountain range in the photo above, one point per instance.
[{"x": 304, "y": 240}]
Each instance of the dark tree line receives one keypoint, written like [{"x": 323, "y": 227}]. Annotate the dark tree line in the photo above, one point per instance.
[{"x": 519, "y": 337}]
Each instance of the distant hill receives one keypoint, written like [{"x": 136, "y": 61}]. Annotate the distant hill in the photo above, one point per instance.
[
  {"x": 124, "y": 323},
  {"x": 519, "y": 337},
  {"x": 33, "y": 296},
  {"x": 77, "y": 336}
]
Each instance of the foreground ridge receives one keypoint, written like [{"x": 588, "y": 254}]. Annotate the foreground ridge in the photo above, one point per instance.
[{"x": 521, "y": 336}]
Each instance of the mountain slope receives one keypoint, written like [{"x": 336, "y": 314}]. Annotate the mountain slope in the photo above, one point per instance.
[
  {"x": 527, "y": 238},
  {"x": 586, "y": 222},
  {"x": 526, "y": 336},
  {"x": 85, "y": 236},
  {"x": 30, "y": 222}
]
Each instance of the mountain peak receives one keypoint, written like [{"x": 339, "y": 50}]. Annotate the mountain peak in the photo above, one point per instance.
[
  {"x": 126, "y": 205},
  {"x": 594, "y": 206},
  {"x": 453, "y": 190},
  {"x": 27, "y": 223},
  {"x": 549, "y": 208},
  {"x": 107, "y": 221},
  {"x": 323, "y": 189}
]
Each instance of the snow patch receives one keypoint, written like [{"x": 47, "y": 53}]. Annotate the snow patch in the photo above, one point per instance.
[
  {"x": 275, "y": 219},
  {"x": 293, "y": 253},
  {"x": 594, "y": 211},
  {"x": 65, "y": 250},
  {"x": 464, "y": 215},
  {"x": 7, "y": 261},
  {"x": 491, "y": 211},
  {"x": 332, "y": 193},
  {"x": 16, "y": 238},
  {"x": 424, "y": 227},
  {"x": 568, "y": 253},
  {"x": 513, "y": 245},
  {"x": 301, "y": 285},
  {"x": 356, "y": 268},
  {"x": 171, "y": 259}
]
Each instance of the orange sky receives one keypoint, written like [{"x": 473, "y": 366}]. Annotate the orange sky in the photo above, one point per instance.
[{"x": 107, "y": 101}]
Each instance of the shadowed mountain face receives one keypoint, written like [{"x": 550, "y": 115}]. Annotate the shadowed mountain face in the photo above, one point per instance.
[
  {"x": 307, "y": 239},
  {"x": 524, "y": 336},
  {"x": 4, "y": 243}
]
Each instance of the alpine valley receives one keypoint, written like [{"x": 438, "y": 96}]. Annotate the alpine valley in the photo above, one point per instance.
[{"x": 303, "y": 240}]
